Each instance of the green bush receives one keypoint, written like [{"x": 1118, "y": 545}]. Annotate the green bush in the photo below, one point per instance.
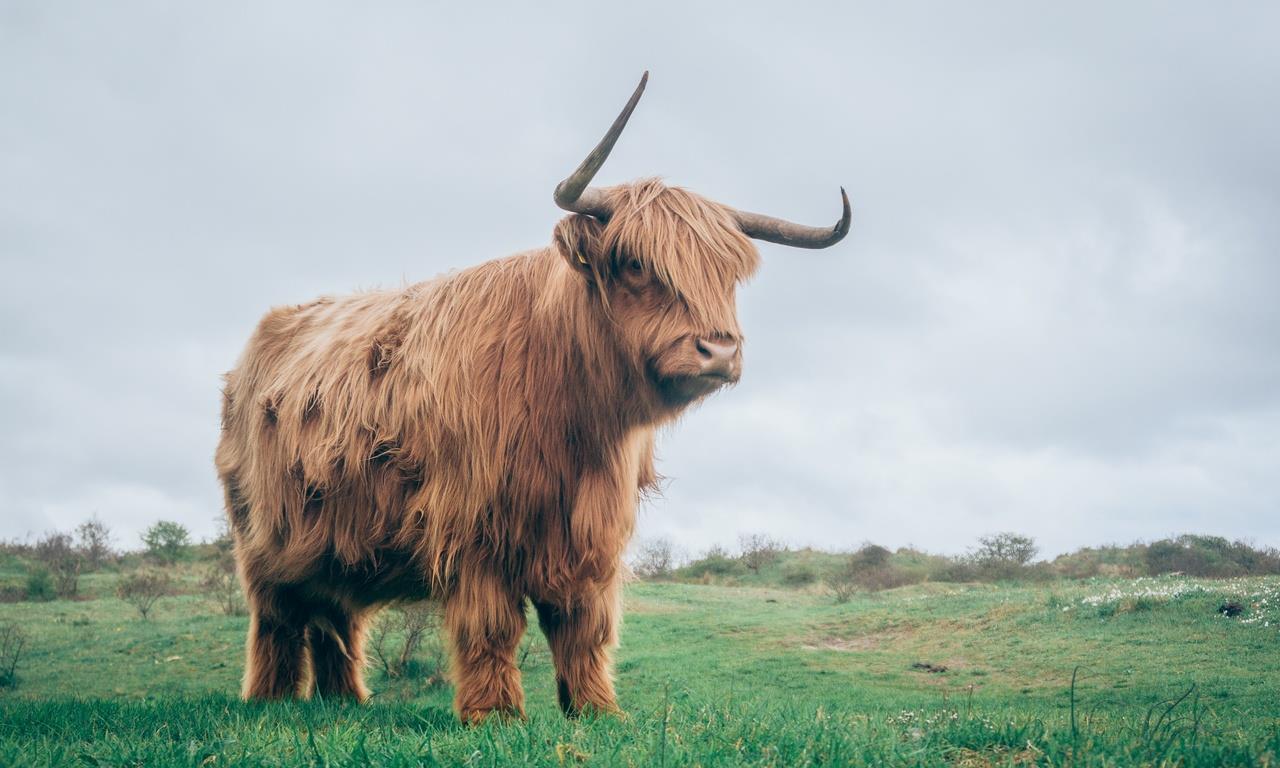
[
  {"x": 955, "y": 570},
  {"x": 1209, "y": 556},
  {"x": 57, "y": 552},
  {"x": 1079, "y": 565},
  {"x": 872, "y": 569},
  {"x": 40, "y": 586},
  {"x": 715, "y": 563},
  {"x": 166, "y": 541},
  {"x": 1003, "y": 556},
  {"x": 998, "y": 557},
  {"x": 868, "y": 557},
  {"x": 798, "y": 574}
]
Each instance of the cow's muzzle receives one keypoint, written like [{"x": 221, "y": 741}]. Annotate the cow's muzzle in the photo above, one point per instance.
[{"x": 719, "y": 359}]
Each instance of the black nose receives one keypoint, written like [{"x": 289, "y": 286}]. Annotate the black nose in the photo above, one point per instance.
[{"x": 719, "y": 358}]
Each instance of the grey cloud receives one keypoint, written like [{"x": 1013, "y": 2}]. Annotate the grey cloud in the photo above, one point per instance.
[{"x": 1056, "y": 311}]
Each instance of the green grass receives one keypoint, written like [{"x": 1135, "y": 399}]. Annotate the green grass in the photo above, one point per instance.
[{"x": 709, "y": 675}]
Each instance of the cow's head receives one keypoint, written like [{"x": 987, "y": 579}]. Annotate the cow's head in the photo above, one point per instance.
[{"x": 665, "y": 263}]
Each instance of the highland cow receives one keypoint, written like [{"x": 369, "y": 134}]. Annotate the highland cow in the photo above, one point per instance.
[{"x": 481, "y": 440}]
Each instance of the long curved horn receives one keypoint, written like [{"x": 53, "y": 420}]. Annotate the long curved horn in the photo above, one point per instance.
[
  {"x": 573, "y": 194},
  {"x": 761, "y": 227}
]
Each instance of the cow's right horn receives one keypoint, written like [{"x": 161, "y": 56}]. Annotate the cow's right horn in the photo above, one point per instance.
[{"x": 573, "y": 194}]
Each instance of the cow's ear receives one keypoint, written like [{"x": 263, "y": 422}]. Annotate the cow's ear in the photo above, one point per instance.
[{"x": 578, "y": 239}]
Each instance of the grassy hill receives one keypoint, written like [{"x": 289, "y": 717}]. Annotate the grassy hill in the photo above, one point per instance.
[
  {"x": 797, "y": 568},
  {"x": 931, "y": 674}
]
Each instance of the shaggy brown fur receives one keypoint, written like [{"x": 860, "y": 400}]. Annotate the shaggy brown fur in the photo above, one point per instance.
[{"x": 479, "y": 439}]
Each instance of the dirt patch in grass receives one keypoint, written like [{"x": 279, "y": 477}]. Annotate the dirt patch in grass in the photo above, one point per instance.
[
  {"x": 641, "y": 605},
  {"x": 998, "y": 615},
  {"x": 861, "y": 643}
]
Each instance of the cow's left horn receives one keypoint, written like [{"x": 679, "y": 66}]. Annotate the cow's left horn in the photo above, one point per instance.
[
  {"x": 573, "y": 194},
  {"x": 761, "y": 227}
]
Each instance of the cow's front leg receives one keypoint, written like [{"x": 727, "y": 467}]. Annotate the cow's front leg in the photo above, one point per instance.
[
  {"x": 582, "y": 635},
  {"x": 276, "y": 653},
  {"x": 485, "y": 622}
]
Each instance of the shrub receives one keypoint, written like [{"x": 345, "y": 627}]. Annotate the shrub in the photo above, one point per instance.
[
  {"x": 871, "y": 568},
  {"x": 143, "y": 589},
  {"x": 1011, "y": 548},
  {"x": 1084, "y": 564},
  {"x": 13, "y": 641},
  {"x": 1005, "y": 550},
  {"x": 715, "y": 563},
  {"x": 57, "y": 552},
  {"x": 869, "y": 556},
  {"x": 998, "y": 557},
  {"x": 1168, "y": 556},
  {"x": 1209, "y": 556},
  {"x": 917, "y": 566},
  {"x": 224, "y": 544},
  {"x": 1254, "y": 561},
  {"x": 956, "y": 570},
  {"x": 40, "y": 585},
  {"x": 843, "y": 586},
  {"x": 222, "y": 587},
  {"x": 655, "y": 559},
  {"x": 15, "y": 548},
  {"x": 94, "y": 540},
  {"x": 888, "y": 577},
  {"x": 798, "y": 574},
  {"x": 220, "y": 583},
  {"x": 414, "y": 626},
  {"x": 758, "y": 550},
  {"x": 1108, "y": 560},
  {"x": 166, "y": 541}
]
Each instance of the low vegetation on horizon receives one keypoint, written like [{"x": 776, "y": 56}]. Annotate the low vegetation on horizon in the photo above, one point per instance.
[
  {"x": 1002, "y": 557},
  {"x": 58, "y": 565},
  {"x": 1152, "y": 653}
]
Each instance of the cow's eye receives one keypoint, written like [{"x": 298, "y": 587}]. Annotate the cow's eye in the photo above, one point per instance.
[{"x": 635, "y": 266}]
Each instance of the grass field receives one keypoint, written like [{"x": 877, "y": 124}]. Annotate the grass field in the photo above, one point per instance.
[{"x": 710, "y": 675}]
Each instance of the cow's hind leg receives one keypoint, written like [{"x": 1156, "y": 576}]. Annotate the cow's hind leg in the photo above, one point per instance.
[
  {"x": 336, "y": 637},
  {"x": 276, "y": 652},
  {"x": 485, "y": 622},
  {"x": 582, "y": 638}
]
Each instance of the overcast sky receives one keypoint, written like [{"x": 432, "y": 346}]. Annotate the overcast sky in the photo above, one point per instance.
[{"x": 1058, "y": 310}]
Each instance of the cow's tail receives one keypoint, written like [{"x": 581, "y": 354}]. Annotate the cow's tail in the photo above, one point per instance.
[{"x": 323, "y": 624}]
